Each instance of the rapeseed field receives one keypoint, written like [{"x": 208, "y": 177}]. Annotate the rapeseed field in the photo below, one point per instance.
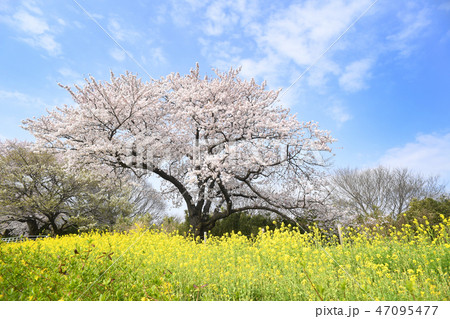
[{"x": 411, "y": 263}]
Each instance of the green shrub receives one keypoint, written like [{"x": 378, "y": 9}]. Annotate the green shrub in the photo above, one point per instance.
[{"x": 426, "y": 210}]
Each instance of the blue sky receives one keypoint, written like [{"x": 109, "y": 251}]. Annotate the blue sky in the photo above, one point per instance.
[{"x": 383, "y": 90}]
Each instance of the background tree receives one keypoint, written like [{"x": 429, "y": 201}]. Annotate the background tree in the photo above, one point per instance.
[
  {"x": 247, "y": 224},
  {"x": 35, "y": 189},
  {"x": 147, "y": 203},
  {"x": 381, "y": 192},
  {"x": 148, "y": 208},
  {"x": 221, "y": 144},
  {"x": 427, "y": 209}
]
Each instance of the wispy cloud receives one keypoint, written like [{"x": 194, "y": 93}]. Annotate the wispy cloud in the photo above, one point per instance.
[
  {"x": 339, "y": 114},
  {"x": 15, "y": 98},
  {"x": 294, "y": 36},
  {"x": 355, "y": 75},
  {"x": 32, "y": 6},
  {"x": 157, "y": 56},
  {"x": 29, "y": 23},
  {"x": 219, "y": 18},
  {"x": 222, "y": 16},
  {"x": 61, "y": 21},
  {"x": 117, "y": 54},
  {"x": 413, "y": 24},
  {"x": 68, "y": 75},
  {"x": 282, "y": 42},
  {"x": 303, "y": 31},
  {"x": 289, "y": 39},
  {"x": 270, "y": 68},
  {"x": 46, "y": 42},
  {"x": 32, "y": 28},
  {"x": 319, "y": 76},
  {"x": 428, "y": 154},
  {"x": 214, "y": 17},
  {"x": 223, "y": 53},
  {"x": 122, "y": 33}
]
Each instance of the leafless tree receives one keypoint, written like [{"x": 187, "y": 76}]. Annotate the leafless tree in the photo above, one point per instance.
[
  {"x": 381, "y": 190},
  {"x": 146, "y": 200}
]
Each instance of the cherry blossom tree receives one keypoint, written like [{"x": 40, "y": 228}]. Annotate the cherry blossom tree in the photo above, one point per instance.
[{"x": 221, "y": 144}]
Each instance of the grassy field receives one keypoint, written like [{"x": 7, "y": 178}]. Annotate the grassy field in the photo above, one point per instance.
[{"x": 411, "y": 263}]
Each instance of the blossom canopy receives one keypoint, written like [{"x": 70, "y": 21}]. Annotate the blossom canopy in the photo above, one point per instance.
[{"x": 222, "y": 144}]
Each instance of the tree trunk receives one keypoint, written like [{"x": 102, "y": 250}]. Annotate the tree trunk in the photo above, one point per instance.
[
  {"x": 55, "y": 229},
  {"x": 199, "y": 223},
  {"x": 33, "y": 228}
]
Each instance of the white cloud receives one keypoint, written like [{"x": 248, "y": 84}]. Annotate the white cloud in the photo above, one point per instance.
[
  {"x": 29, "y": 23},
  {"x": 303, "y": 31},
  {"x": 116, "y": 30},
  {"x": 70, "y": 76},
  {"x": 68, "y": 72},
  {"x": 46, "y": 42},
  {"x": 180, "y": 13},
  {"x": 121, "y": 33},
  {"x": 414, "y": 23},
  {"x": 97, "y": 16},
  {"x": 32, "y": 28},
  {"x": 157, "y": 56},
  {"x": 339, "y": 114},
  {"x": 31, "y": 5},
  {"x": 117, "y": 54},
  {"x": 14, "y": 98},
  {"x": 279, "y": 41},
  {"x": 276, "y": 37},
  {"x": 195, "y": 3},
  {"x": 355, "y": 75},
  {"x": 222, "y": 53},
  {"x": 160, "y": 14},
  {"x": 292, "y": 38},
  {"x": 428, "y": 154},
  {"x": 219, "y": 17},
  {"x": 269, "y": 68},
  {"x": 214, "y": 17},
  {"x": 319, "y": 75},
  {"x": 77, "y": 24}
]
